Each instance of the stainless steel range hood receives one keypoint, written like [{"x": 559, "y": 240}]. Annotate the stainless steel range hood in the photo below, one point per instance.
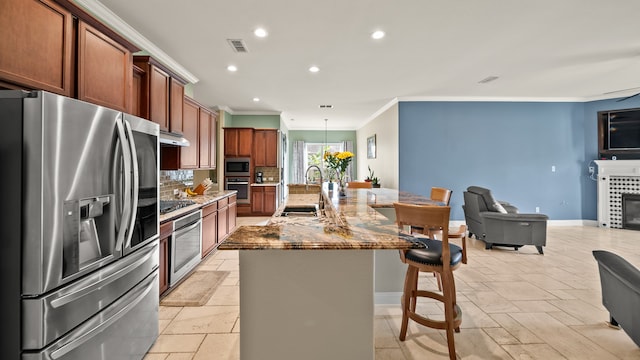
[{"x": 168, "y": 138}]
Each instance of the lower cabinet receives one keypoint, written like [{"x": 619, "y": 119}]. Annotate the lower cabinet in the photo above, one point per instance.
[
  {"x": 223, "y": 219},
  {"x": 263, "y": 200},
  {"x": 165, "y": 233},
  {"x": 209, "y": 228},
  {"x": 233, "y": 214}
]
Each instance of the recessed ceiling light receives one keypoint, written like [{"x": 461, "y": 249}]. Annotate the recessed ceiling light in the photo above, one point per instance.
[
  {"x": 314, "y": 69},
  {"x": 260, "y": 32},
  {"x": 232, "y": 68},
  {"x": 256, "y": 99},
  {"x": 378, "y": 34}
]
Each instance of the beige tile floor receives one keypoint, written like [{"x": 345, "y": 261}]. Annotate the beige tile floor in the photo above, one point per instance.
[{"x": 516, "y": 305}]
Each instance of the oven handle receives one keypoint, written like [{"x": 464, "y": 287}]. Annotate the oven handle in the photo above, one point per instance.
[
  {"x": 238, "y": 183},
  {"x": 183, "y": 230}
]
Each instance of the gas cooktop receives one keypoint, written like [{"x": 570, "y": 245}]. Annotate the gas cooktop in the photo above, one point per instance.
[{"x": 167, "y": 206}]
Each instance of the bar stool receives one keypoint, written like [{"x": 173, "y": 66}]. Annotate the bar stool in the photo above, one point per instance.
[{"x": 440, "y": 257}]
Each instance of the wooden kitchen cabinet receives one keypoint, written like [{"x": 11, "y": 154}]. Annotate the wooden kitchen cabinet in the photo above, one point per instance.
[
  {"x": 36, "y": 50},
  {"x": 209, "y": 228},
  {"x": 238, "y": 142},
  {"x": 165, "y": 234},
  {"x": 263, "y": 200},
  {"x": 105, "y": 69},
  {"x": 138, "y": 99},
  {"x": 233, "y": 214},
  {"x": 223, "y": 219},
  {"x": 190, "y": 121},
  {"x": 204, "y": 136},
  {"x": 199, "y": 127},
  {"x": 265, "y": 142},
  {"x": 176, "y": 105},
  {"x": 162, "y": 93}
]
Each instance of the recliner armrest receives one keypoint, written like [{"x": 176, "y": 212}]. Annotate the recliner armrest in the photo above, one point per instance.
[
  {"x": 514, "y": 217},
  {"x": 620, "y": 268}
]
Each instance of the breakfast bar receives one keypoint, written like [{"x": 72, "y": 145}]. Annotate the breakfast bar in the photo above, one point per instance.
[{"x": 308, "y": 279}]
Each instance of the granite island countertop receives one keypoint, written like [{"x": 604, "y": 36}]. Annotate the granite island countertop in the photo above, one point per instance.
[
  {"x": 200, "y": 201},
  {"x": 349, "y": 222}
]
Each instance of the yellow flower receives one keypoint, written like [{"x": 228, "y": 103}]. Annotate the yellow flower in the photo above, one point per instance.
[{"x": 344, "y": 155}]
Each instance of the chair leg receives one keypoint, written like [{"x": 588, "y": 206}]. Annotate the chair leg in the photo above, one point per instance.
[
  {"x": 540, "y": 250},
  {"x": 439, "y": 280},
  {"x": 447, "y": 283},
  {"x": 407, "y": 299}
]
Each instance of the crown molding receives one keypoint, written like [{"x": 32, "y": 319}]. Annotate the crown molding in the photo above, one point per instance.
[
  {"x": 118, "y": 25},
  {"x": 257, "y": 112},
  {"x": 489, "y": 99}
]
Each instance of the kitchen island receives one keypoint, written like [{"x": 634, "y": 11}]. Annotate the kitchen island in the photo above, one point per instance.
[{"x": 307, "y": 282}]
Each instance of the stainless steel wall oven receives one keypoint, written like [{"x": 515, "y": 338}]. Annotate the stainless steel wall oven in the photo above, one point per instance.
[{"x": 240, "y": 184}]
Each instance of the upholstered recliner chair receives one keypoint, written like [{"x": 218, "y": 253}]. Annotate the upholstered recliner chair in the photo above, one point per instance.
[
  {"x": 499, "y": 223},
  {"x": 620, "y": 283}
]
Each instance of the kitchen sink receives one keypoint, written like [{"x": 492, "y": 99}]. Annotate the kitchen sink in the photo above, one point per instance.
[{"x": 300, "y": 210}]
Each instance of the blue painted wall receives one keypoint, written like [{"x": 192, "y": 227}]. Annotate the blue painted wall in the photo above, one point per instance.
[{"x": 509, "y": 147}]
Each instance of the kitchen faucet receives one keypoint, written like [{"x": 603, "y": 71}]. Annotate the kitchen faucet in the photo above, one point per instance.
[{"x": 306, "y": 182}]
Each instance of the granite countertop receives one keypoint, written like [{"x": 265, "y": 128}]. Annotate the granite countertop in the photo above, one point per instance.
[
  {"x": 349, "y": 222},
  {"x": 200, "y": 201}
]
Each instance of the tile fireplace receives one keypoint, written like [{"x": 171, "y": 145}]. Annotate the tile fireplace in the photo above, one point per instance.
[{"x": 616, "y": 178}]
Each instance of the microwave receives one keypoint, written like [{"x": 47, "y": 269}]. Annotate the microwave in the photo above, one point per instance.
[{"x": 237, "y": 167}]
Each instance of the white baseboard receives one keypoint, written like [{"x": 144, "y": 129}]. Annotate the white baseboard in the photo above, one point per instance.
[
  {"x": 593, "y": 223},
  {"x": 456, "y": 223}
]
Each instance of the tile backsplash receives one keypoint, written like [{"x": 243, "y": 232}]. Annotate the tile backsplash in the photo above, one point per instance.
[
  {"x": 174, "y": 179},
  {"x": 269, "y": 172}
]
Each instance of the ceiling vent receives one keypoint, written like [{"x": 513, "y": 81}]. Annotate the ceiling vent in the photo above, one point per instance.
[
  {"x": 326, "y": 106},
  {"x": 238, "y": 45}
]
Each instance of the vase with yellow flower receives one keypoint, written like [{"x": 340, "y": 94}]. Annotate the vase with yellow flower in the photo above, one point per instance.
[{"x": 339, "y": 161}]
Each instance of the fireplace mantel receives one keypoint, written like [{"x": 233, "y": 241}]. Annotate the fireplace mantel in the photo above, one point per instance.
[{"x": 615, "y": 177}]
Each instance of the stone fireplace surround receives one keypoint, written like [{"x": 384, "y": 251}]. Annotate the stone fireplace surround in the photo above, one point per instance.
[{"x": 615, "y": 177}]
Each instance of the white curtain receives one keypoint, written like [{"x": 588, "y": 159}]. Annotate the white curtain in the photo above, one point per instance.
[
  {"x": 348, "y": 146},
  {"x": 298, "y": 162}
]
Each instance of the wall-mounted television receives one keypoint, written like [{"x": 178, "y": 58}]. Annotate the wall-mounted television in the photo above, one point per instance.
[{"x": 619, "y": 134}]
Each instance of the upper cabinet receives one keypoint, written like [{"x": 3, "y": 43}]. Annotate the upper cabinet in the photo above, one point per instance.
[
  {"x": 37, "y": 46},
  {"x": 161, "y": 94},
  {"x": 208, "y": 138},
  {"x": 199, "y": 127},
  {"x": 176, "y": 103},
  {"x": 265, "y": 142},
  {"x": 104, "y": 69},
  {"x": 238, "y": 142},
  {"x": 58, "y": 47}
]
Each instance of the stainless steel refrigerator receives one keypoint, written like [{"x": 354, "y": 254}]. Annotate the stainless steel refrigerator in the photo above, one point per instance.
[{"x": 79, "y": 246}]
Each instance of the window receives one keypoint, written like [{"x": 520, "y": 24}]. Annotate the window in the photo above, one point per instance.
[{"x": 313, "y": 153}]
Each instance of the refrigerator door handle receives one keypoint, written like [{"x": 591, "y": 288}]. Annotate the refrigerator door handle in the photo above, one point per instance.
[
  {"x": 135, "y": 180},
  {"x": 83, "y": 291},
  {"x": 126, "y": 209},
  {"x": 96, "y": 325}
]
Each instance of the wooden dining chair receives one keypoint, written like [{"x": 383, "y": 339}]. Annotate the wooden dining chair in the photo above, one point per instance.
[
  {"x": 359, "y": 185},
  {"x": 438, "y": 256},
  {"x": 441, "y": 194}
]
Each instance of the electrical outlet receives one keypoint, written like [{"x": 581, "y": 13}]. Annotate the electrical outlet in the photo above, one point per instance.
[
  {"x": 592, "y": 169},
  {"x": 176, "y": 191},
  {"x": 537, "y": 209}
]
